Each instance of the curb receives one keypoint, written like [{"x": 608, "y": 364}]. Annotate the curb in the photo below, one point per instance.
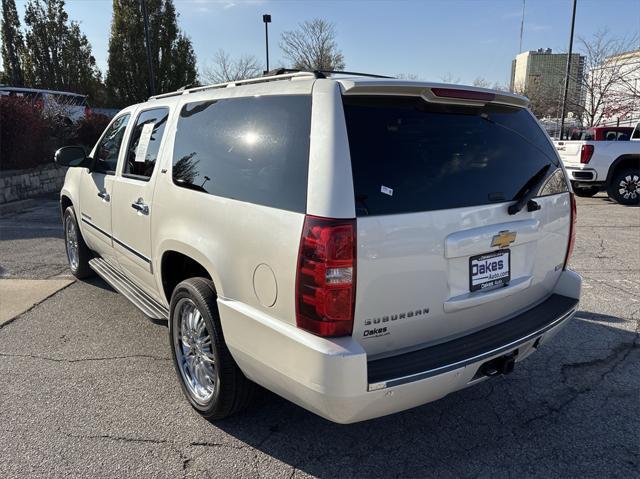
[{"x": 14, "y": 206}]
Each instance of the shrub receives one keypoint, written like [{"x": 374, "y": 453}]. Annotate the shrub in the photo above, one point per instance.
[
  {"x": 29, "y": 137},
  {"x": 24, "y": 135},
  {"x": 88, "y": 129}
]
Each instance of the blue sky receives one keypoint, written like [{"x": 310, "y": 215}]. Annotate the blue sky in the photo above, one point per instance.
[{"x": 431, "y": 38}]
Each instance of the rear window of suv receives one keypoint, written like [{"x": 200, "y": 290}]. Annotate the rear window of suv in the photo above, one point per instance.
[
  {"x": 408, "y": 155},
  {"x": 253, "y": 149}
]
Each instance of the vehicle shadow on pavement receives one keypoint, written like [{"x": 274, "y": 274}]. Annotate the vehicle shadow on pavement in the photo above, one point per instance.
[
  {"x": 557, "y": 414},
  {"x": 98, "y": 282}
]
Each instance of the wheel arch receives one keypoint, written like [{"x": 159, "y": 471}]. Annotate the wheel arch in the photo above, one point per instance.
[
  {"x": 66, "y": 200},
  {"x": 178, "y": 262},
  {"x": 623, "y": 161}
]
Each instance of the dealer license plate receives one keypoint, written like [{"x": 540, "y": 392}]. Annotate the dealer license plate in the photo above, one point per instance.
[{"x": 489, "y": 270}]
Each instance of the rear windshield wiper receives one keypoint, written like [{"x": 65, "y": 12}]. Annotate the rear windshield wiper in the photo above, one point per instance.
[
  {"x": 528, "y": 191},
  {"x": 552, "y": 159}
]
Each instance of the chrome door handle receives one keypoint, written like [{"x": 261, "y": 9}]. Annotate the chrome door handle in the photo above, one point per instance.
[
  {"x": 104, "y": 195},
  {"x": 141, "y": 206}
]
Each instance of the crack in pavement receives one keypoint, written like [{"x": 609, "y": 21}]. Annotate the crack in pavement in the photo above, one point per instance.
[
  {"x": 610, "y": 285},
  {"x": 179, "y": 449},
  {"x": 207, "y": 444},
  {"x": 18, "y": 316},
  {"x": 619, "y": 354},
  {"x": 82, "y": 360},
  {"x": 120, "y": 438},
  {"x": 600, "y": 254},
  {"x": 62, "y": 271}
]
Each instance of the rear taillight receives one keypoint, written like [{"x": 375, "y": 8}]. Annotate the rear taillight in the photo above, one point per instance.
[
  {"x": 572, "y": 229},
  {"x": 325, "y": 283},
  {"x": 586, "y": 153},
  {"x": 463, "y": 94}
]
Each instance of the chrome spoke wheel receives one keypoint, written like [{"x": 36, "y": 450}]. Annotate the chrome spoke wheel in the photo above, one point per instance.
[
  {"x": 194, "y": 351},
  {"x": 71, "y": 242}
]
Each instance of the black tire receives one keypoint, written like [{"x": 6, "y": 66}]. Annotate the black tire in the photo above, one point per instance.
[
  {"x": 624, "y": 187},
  {"x": 80, "y": 268},
  {"x": 232, "y": 391},
  {"x": 585, "y": 191}
]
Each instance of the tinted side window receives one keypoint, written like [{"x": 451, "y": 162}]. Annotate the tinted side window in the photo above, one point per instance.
[
  {"x": 144, "y": 144},
  {"x": 408, "y": 155},
  {"x": 253, "y": 149},
  {"x": 106, "y": 156}
]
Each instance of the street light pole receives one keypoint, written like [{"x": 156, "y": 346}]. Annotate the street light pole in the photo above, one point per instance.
[
  {"x": 566, "y": 78},
  {"x": 522, "y": 25},
  {"x": 266, "y": 18},
  {"x": 145, "y": 16}
]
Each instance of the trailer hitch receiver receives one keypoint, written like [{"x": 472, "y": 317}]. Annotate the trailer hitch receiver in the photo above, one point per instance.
[{"x": 501, "y": 365}]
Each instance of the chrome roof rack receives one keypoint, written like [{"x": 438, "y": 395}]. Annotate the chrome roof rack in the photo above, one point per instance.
[
  {"x": 262, "y": 79},
  {"x": 324, "y": 73}
]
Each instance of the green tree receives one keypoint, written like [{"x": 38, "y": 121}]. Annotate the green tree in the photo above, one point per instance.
[
  {"x": 172, "y": 55},
  {"x": 58, "y": 55},
  {"x": 12, "y": 44}
]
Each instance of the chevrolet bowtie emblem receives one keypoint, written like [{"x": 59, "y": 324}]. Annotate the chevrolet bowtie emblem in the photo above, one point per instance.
[{"x": 503, "y": 239}]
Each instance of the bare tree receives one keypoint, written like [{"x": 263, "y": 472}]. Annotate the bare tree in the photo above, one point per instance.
[
  {"x": 481, "y": 82},
  {"x": 545, "y": 101},
  {"x": 449, "y": 78},
  {"x": 313, "y": 46},
  {"x": 226, "y": 69},
  {"x": 610, "y": 87},
  {"x": 408, "y": 76}
]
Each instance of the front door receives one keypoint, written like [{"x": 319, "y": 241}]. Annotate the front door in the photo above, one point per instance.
[
  {"x": 133, "y": 198},
  {"x": 96, "y": 188}
]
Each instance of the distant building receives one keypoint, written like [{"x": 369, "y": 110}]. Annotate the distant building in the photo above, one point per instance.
[
  {"x": 541, "y": 73},
  {"x": 620, "y": 75}
]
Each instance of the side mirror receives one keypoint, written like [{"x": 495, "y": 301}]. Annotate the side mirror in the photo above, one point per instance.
[{"x": 72, "y": 156}]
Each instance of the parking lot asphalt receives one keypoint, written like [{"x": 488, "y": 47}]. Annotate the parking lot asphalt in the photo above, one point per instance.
[{"x": 87, "y": 388}]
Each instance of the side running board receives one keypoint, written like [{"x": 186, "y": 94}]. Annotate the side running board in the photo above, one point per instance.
[{"x": 123, "y": 285}]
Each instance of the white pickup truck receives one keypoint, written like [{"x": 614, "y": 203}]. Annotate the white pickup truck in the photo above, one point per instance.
[{"x": 613, "y": 166}]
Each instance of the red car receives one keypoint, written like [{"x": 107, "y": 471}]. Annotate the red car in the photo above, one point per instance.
[{"x": 602, "y": 133}]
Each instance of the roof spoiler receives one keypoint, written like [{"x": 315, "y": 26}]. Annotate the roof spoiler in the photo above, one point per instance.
[{"x": 434, "y": 92}]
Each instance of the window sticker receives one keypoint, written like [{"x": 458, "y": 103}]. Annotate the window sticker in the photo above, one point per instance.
[
  {"x": 386, "y": 190},
  {"x": 143, "y": 143}
]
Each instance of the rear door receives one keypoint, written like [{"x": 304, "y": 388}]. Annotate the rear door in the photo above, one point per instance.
[
  {"x": 133, "y": 195},
  {"x": 439, "y": 256}
]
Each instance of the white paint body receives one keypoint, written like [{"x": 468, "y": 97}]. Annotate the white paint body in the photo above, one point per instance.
[{"x": 405, "y": 262}]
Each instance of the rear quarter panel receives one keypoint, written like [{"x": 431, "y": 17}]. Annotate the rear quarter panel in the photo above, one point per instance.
[{"x": 230, "y": 238}]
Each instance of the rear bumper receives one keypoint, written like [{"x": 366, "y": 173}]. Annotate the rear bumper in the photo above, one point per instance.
[
  {"x": 333, "y": 378},
  {"x": 582, "y": 175}
]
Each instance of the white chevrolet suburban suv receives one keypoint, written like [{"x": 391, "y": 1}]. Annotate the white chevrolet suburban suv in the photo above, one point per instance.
[{"x": 357, "y": 245}]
